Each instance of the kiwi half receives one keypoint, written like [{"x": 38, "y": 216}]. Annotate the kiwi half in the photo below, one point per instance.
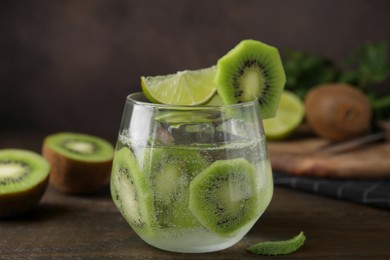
[
  {"x": 23, "y": 180},
  {"x": 223, "y": 197},
  {"x": 132, "y": 193},
  {"x": 251, "y": 70},
  {"x": 80, "y": 163},
  {"x": 170, "y": 172}
]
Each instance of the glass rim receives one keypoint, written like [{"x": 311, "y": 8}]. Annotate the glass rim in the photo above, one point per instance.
[{"x": 134, "y": 98}]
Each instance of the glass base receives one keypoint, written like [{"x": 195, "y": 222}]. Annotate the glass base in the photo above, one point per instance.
[
  {"x": 195, "y": 240},
  {"x": 194, "y": 243}
]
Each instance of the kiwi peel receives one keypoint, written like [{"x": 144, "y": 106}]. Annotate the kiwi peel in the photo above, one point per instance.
[
  {"x": 252, "y": 70},
  {"x": 80, "y": 163},
  {"x": 23, "y": 180},
  {"x": 223, "y": 197},
  {"x": 132, "y": 193}
]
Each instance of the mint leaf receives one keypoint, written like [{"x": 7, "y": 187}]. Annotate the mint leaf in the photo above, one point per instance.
[{"x": 278, "y": 247}]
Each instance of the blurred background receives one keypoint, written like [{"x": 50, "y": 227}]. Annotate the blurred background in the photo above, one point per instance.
[{"x": 69, "y": 65}]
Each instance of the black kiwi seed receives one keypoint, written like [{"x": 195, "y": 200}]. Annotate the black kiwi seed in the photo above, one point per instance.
[{"x": 248, "y": 64}]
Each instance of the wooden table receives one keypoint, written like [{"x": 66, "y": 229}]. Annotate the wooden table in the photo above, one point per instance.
[
  {"x": 90, "y": 227},
  {"x": 75, "y": 227}
]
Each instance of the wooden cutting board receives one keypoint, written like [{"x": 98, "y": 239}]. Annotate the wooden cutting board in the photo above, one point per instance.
[{"x": 299, "y": 157}]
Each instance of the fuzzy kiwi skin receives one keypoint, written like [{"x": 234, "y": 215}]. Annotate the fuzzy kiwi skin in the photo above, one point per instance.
[
  {"x": 76, "y": 177},
  {"x": 338, "y": 111},
  {"x": 16, "y": 204}
]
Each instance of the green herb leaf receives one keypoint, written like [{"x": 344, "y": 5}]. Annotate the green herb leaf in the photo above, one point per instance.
[
  {"x": 305, "y": 70},
  {"x": 364, "y": 68},
  {"x": 278, "y": 247},
  {"x": 381, "y": 107},
  {"x": 367, "y": 66}
]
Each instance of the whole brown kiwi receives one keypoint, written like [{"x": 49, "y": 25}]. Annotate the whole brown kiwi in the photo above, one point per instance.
[{"x": 338, "y": 111}]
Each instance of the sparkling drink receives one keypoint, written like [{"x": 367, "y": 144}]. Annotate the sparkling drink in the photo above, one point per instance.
[{"x": 191, "y": 179}]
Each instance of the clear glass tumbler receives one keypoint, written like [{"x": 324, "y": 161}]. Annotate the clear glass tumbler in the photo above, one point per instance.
[{"x": 191, "y": 179}]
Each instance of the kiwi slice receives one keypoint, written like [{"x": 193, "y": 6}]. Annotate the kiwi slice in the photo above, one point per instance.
[
  {"x": 23, "y": 180},
  {"x": 171, "y": 199},
  {"x": 132, "y": 193},
  {"x": 170, "y": 173},
  {"x": 251, "y": 70},
  {"x": 223, "y": 197},
  {"x": 80, "y": 163}
]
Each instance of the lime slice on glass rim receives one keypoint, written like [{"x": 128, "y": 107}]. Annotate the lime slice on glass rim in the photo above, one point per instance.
[
  {"x": 188, "y": 87},
  {"x": 288, "y": 117}
]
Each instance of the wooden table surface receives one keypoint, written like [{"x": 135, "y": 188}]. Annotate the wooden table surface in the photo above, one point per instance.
[{"x": 90, "y": 227}]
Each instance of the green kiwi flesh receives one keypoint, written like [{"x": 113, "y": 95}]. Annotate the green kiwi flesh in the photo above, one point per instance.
[
  {"x": 223, "y": 197},
  {"x": 81, "y": 163},
  {"x": 23, "y": 180},
  {"x": 170, "y": 173},
  {"x": 251, "y": 70},
  {"x": 131, "y": 193},
  {"x": 79, "y": 146}
]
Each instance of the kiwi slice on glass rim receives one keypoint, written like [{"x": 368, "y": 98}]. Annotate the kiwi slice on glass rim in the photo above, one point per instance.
[
  {"x": 23, "y": 180},
  {"x": 251, "y": 70},
  {"x": 80, "y": 163}
]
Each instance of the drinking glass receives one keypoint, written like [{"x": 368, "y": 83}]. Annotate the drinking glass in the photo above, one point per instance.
[{"x": 191, "y": 178}]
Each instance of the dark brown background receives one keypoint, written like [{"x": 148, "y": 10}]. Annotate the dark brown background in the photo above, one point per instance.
[{"x": 68, "y": 65}]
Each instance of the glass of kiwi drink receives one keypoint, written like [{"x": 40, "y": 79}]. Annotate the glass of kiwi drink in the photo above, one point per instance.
[{"x": 191, "y": 178}]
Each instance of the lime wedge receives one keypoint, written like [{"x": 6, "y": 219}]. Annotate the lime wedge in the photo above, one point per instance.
[
  {"x": 188, "y": 87},
  {"x": 215, "y": 101},
  {"x": 288, "y": 117}
]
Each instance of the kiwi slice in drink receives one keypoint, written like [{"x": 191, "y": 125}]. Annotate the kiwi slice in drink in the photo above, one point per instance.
[
  {"x": 170, "y": 186},
  {"x": 132, "y": 193},
  {"x": 80, "y": 163},
  {"x": 223, "y": 197},
  {"x": 23, "y": 180},
  {"x": 170, "y": 172},
  {"x": 251, "y": 70}
]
